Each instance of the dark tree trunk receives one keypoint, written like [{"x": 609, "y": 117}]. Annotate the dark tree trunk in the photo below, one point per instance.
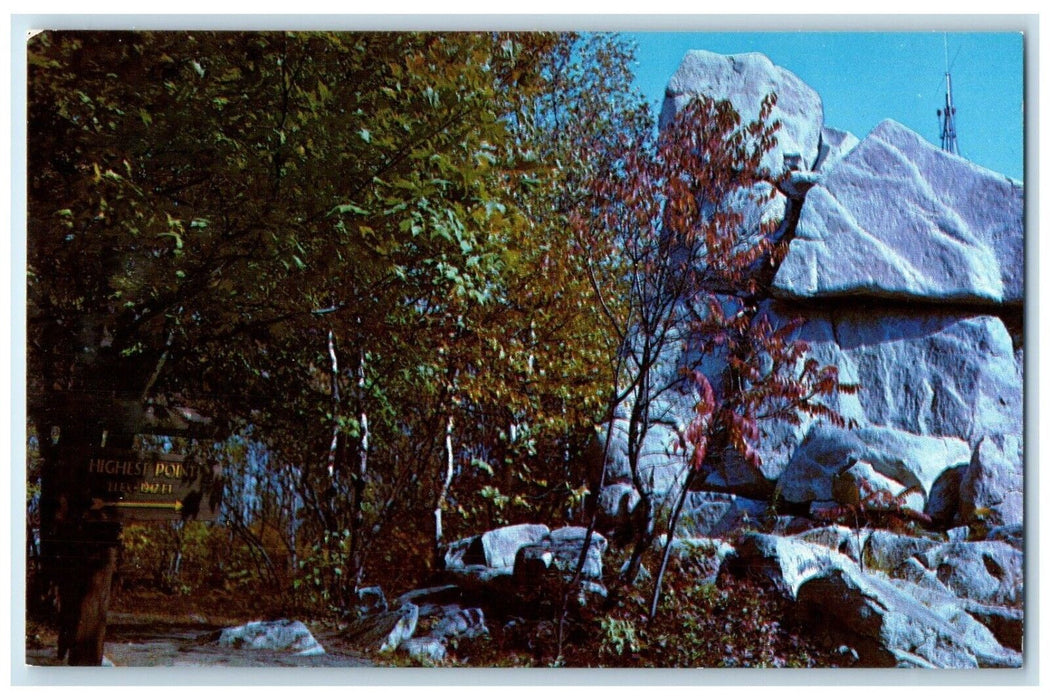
[
  {"x": 79, "y": 552},
  {"x": 84, "y": 592}
]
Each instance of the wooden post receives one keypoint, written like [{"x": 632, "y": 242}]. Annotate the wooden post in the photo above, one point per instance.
[{"x": 80, "y": 532}]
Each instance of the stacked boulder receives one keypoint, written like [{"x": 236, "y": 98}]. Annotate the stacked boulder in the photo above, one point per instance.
[
  {"x": 906, "y": 265},
  {"x": 506, "y": 570},
  {"x": 523, "y": 557}
]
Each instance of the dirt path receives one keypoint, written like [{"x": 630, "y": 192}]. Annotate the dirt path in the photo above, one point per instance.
[{"x": 132, "y": 643}]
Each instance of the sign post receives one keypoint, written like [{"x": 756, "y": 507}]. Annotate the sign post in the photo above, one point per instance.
[{"x": 150, "y": 486}]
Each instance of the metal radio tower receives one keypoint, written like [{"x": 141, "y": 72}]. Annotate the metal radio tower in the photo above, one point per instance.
[{"x": 947, "y": 115}]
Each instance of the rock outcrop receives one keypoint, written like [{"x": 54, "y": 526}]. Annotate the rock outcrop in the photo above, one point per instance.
[{"x": 905, "y": 265}]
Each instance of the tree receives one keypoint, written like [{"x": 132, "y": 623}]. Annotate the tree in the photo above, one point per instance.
[
  {"x": 673, "y": 262},
  {"x": 334, "y": 243},
  {"x": 212, "y": 216}
]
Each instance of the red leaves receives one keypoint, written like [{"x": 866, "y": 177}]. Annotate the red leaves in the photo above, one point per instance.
[
  {"x": 696, "y": 433},
  {"x": 876, "y": 504}
]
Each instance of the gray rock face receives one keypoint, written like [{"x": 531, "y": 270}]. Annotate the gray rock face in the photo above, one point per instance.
[
  {"x": 941, "y": 376},
  {"x": 659, "y": 464},
  {"x": 746, "y": 79},
  {"x": 897, "y": 218},
  {"x": 991, "y": 490},
  {"x": 930, "y": 375},
  {"x": 885, "y": 457},
  {"x": 834, "y": 145},
  {"x": 616, "y": 503},
  {"x": 275, "y": 635}
]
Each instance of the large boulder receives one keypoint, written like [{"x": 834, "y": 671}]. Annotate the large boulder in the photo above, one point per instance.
[
  {"x": 888, "y": 627},
  {"x": 494, "y": 549},
  {"x": 831, "y": 463},
  {"x": 898, "y": 218},
  {"x": 745, "y": 80},
  {"x": 986, "y": 571},
  {"x": 1005, "y": 621},
  {"x": 560, "y": 553}
]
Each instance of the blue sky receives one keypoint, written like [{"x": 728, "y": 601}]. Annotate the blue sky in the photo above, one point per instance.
[{"x": 865, "y": 77}]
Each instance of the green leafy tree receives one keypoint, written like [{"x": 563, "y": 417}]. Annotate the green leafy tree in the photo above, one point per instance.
[{"x": 341, "y": 244}]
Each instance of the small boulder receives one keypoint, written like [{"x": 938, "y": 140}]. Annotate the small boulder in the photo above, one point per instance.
[
  {"x": 275, "y": 635},
  {"x": 370, "y": 600},
  {"x": 860, "y": 484},
  {"x": 439, "y": 624},
  {"x": 385, "y": 631}
]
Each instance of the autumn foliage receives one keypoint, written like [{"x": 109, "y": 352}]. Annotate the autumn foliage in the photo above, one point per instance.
[{"x": 408, "y": 276}]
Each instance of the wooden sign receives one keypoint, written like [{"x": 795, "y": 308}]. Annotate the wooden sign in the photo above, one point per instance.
[{"x": 150, "y": 486}]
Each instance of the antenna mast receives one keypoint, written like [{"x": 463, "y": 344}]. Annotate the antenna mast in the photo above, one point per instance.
[{"x": 947, "y": 115}]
